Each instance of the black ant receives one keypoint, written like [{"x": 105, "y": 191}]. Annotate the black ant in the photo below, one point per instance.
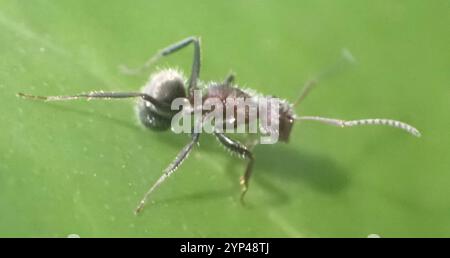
[{"x": 154, "y": 109}]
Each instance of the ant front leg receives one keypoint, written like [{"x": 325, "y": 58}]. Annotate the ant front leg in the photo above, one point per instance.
[
  {"x": 242, "y": 151},
  {"x": 345, "y": 58},
  {"x": 195, "y": 73}
]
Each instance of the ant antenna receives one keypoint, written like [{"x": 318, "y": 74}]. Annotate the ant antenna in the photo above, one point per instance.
[
  {"x": 377, "y": 121},
  {"x": 345, "y": 58}
]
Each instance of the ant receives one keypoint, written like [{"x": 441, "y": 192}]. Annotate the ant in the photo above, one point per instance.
[{"x": 154, "y": 108}]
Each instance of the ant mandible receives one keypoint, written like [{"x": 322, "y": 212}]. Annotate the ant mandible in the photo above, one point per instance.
[{"x": 154, "y": 109}]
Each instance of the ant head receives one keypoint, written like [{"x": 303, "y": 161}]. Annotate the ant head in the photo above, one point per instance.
[
  {"x": 286, "y": 121},
  {"x": 165, "y": 86}
]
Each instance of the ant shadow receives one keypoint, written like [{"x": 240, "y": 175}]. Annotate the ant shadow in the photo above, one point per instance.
[
  {"x": 199, "y": 196},
  {"x": 165, "y": 137},
  {"x": 319, "y": 172},
  {"x": 271, "y": 162},
  {"x": 280, "y": 162},
  {"x": 90, "y": 114}
]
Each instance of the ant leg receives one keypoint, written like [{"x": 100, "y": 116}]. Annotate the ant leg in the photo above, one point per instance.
[
  {"x": 229, "y": 79},
  {"x": 346, "y": 58},
  {"x": 169, "y": 50},
  {"x": 98, "y": 95},
  {"x": 242, "y": 151},
  {"x": 182, "y": 155}
]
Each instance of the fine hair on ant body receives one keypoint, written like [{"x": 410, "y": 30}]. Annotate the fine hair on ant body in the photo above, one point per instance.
[{"x": 155, "y": 112}]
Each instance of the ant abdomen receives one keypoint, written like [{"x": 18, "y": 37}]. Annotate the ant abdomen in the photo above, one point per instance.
[{"x": 164, "y": 86}]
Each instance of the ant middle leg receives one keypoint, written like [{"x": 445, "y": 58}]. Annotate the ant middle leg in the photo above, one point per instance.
[
  {"x": 195, "y": 73},
  {"x": 242, "y": 151}
]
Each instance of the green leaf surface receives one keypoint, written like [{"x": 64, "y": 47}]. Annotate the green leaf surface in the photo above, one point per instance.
[{"x": 81, "y": 167}]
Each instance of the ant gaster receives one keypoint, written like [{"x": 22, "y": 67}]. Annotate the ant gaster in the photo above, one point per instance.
[{"x": 154, "y": 109}]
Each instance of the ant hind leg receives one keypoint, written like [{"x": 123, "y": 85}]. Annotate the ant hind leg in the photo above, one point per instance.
[
  {"x": 169, "y": 50},
  {"x": 182, "y": 155},
  {"x": 96, "y": 95}
]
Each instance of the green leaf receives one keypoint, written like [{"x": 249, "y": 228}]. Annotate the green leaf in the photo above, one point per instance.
[{"x": 81, "y": 167}]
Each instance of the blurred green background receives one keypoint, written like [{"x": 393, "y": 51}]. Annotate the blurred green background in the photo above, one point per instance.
[{"x": 81, "y": 168}]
